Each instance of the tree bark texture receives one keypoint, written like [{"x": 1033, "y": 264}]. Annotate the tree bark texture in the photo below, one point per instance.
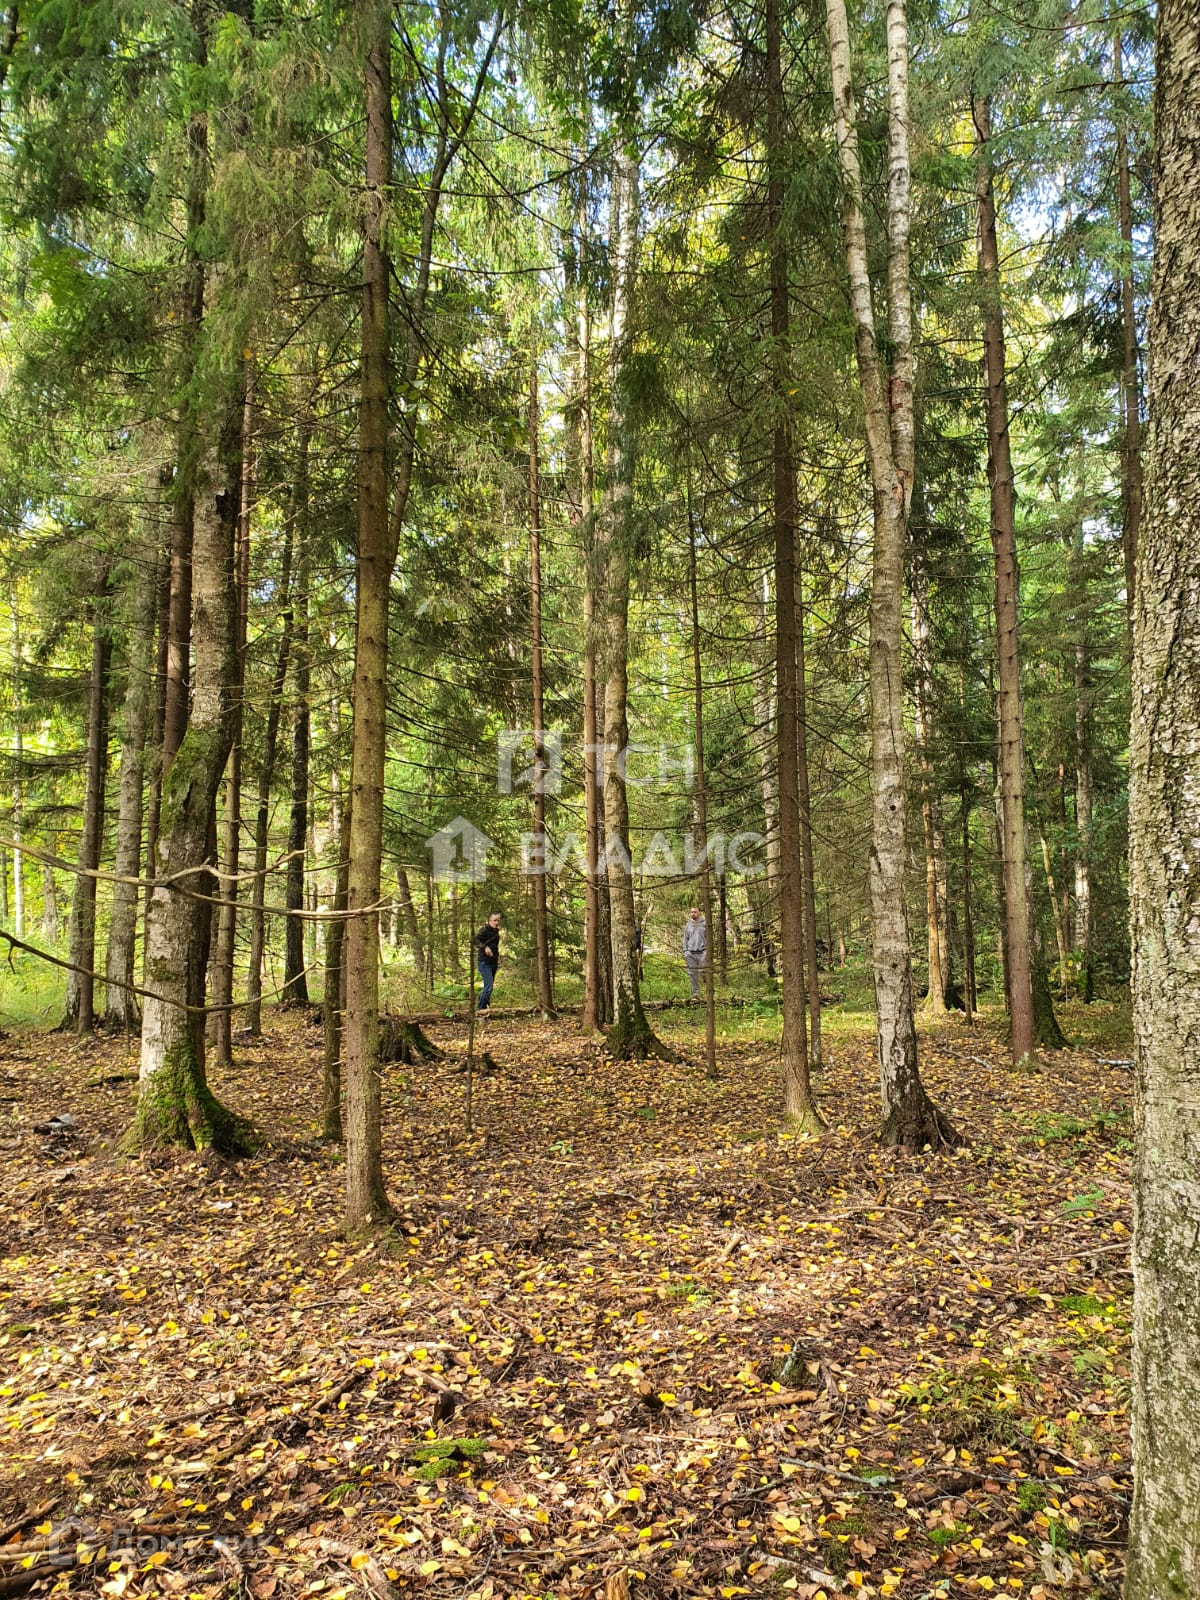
[
  {"x": 1007, "y": 601},
  {"x": 540, "y": 920},
  {"x": 81, "y": 985},
  {"x": 1164, "y": 872},
  {"x": 175, "y": 1105},
  {"x": 909, "y": 1116},
  {"x": 366, "y": 1195},
  {"x": 121, "y": 1009},
  {"x": 227, "y": 918},
  {"x": 630, "y": 1035},
  {"x": 798, "y": 1103}
]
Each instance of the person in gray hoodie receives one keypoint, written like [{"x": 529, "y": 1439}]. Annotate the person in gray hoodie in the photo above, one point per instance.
[{"x": 695, "y": 948}]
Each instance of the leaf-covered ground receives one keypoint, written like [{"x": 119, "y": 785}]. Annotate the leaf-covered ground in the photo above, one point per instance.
[{"x": 671, "y": 1350}]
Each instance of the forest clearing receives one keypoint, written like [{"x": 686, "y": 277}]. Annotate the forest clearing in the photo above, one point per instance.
[
  {"x": 691, "y": 1351},
  {"x": 599, "y": 799}
]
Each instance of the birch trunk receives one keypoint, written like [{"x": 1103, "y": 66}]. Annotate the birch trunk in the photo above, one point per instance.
[
  {"x": 909, "y": 1116},
  {"x": 1164, "y": 1531}
]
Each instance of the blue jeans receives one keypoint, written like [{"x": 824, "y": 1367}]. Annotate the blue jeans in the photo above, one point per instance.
[{"x": 487, "y": 976}]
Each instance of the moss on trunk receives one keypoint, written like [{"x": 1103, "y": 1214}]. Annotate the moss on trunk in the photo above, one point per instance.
[
  {"x": 176, "y": 1107},
  {"x": 631, "y": 1038},
  {"x": 1045, "y": 1024}
]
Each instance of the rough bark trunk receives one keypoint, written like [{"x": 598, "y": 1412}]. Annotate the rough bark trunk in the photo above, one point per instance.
[
  {"x": 81, "y": 985},
  {"x": 1007, "y": 601},
  {"x": 334, "y": 1005},
  {"x": 366, "y": 1195},
  {"x": 541, "y": 937},
  {"x": 630, "y": 1035},
  {"x": 798, "y": 1103},
  {"x": 1131, "y": 425},
  {"x": 1163, "y": 1560},
  {"x": 223, "y": 954},
  {"x": 909, "y": 1117},
  {"x": 175, "y": 1105},
  {"x": 700, "y": 796},
  {"x": 804, "y": 797},
  {"x": 121, "y": 1009},
  {"x": 764, "y": 725},
  {"x": 378, "y": 541}
]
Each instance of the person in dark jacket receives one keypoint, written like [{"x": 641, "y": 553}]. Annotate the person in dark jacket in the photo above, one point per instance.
[{"x": 487, "y": 958}]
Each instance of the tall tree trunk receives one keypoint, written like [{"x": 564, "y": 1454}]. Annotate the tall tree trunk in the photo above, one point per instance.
[
  {"x": 295, "y": 977},
  {"x": 597, "y": 1007},
  {"x": 408, "y": 918},
  {"x": 798, "y": 1103},
  {"x": 540, "y": 927},
  {"x": 378, "y": 541},
  {"x": 630, "y": 1035},
  {"x": 700, "y": 796},
  {"x": 175, "y": 1105},
  {"x": 935, "y": 844},
  {"x": 970, "y": 991},
  {"x": 812, "y": 965},
  {"x": 1163, "y": 1560},
  {"x": 50, "y": 929},
  {"x": 1131, "y": 426},
  {"x": 334, "y": 1005},
  {"x": 1083, "y": 769},
  {"x": 1007, "y": 600},
  {"x": 909, "y": 1116},
  {"x": 366, "y": 1195},
  {"x": 223, "y": 955},
  {"x": 81, "y": 985},
  {"x": 121, "y": 1009},
  {"x": 154, "y": 743},
  {"x": 252, "y": 1014},
  {"x": 764, "y": 747},
  {"x": 18, "y": 794}
]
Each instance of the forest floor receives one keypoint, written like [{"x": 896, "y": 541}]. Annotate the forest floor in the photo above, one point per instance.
[{"x": 694, "y": 1355}]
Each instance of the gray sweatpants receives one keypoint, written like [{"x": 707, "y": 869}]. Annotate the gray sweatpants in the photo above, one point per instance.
[{"x": 695, "y": 966}]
